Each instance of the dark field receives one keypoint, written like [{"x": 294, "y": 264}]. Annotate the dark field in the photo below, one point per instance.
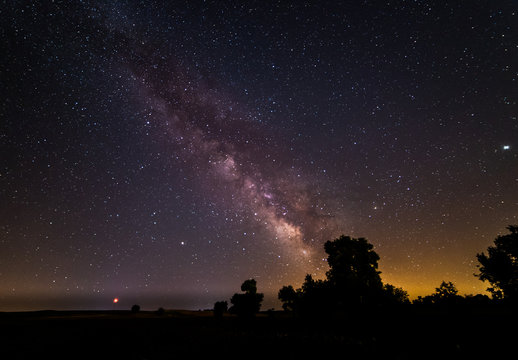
[{"x": 402, "y": 333}]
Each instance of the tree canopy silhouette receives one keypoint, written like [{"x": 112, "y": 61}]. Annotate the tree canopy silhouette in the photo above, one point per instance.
[
  {"x": 249, "y": 286},
  {"x": 500, "y": 266},
  {"x": 353, "y": 272},
  {"x": 249, "y": 303},
  {"x": 289, "y": 297}
]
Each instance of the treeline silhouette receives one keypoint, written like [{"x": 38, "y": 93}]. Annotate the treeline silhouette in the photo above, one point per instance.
[
  {"x": 349, "y": 314},
  {"x": 353, "y": 280}
]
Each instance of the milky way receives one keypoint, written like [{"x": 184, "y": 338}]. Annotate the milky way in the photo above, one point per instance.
[{"x": 230, "y": 160}]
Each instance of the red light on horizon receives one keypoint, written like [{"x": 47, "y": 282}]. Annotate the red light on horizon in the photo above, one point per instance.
[{"x": 115, "y": 301}]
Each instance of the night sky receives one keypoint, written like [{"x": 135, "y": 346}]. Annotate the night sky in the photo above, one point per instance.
[{"x": 162, "y": 153}]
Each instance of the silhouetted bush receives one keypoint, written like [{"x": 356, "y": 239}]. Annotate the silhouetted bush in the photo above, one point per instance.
[
  {"x": 135, "y": 308},
  {"x": 220, "y": 307},
  {"x": 270, "y": 313},
  {"x": 160, "y": 311}
]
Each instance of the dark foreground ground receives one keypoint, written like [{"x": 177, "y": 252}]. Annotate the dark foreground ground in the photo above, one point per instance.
[{"x": 409, "y": 333}]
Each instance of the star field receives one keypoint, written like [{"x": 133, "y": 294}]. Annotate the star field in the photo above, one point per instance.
[{"x": 163, "y": 152}]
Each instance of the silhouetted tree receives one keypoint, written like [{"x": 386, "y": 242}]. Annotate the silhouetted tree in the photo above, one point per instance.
[
  {"x": 500, "y": 266},
  {"x": 446, "y": 290},
  {"x": 445, "y": 294},
  {"x": 135, "y": 308},
  {"x": 220, "y": 307},
  {"x": 353, "y": 273},
  {"x": 353, "y": 279},
  {"x": 249, "y": 303}
]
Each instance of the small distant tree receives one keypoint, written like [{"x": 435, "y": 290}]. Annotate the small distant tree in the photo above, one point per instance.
[
  {"x": 447, "y": 293},
  {"x": 135, "y": 309},
  {"x": 249, "y": 303},
  {"x": 220, "y": 307},
  {"x": 446, "y": 290},
  {"x": 500, "y": 266}
]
